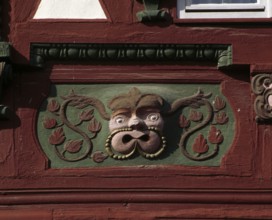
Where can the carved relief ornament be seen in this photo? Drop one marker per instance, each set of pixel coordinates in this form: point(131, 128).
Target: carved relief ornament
point(136, 125)
point(262, 87)
point(152, 12)
point(219, 54)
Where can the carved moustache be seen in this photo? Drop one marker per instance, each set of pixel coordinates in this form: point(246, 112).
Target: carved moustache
point(123, 143)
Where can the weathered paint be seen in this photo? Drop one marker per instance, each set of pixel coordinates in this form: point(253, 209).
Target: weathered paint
point(105, 92)
point(239, 188)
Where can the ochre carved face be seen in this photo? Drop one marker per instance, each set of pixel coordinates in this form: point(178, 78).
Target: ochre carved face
point(136, 126)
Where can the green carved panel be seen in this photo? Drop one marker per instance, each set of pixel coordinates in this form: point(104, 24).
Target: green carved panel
point(135, 124)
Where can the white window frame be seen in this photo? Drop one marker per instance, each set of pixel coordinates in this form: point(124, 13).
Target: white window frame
point(186, 10)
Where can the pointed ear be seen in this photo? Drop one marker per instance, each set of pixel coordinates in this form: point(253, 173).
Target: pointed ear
point(80, 101)
point(195, 101)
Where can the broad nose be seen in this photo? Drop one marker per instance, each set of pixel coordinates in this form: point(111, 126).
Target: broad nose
point(136, 123)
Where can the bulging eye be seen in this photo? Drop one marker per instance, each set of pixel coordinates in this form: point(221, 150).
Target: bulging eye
point(153, 117)
point(120, 120)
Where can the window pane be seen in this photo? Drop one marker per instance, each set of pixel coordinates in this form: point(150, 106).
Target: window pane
point(223, 1)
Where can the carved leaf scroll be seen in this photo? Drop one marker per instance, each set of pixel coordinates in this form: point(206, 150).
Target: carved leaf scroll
point(204, 114)
point(214, 116)
point(262, 87)
point(74, 150)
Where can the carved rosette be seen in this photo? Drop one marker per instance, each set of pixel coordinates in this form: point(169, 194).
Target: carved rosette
point(262, 87)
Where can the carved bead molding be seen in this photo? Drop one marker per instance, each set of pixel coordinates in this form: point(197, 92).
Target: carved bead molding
point(262, 87)
point(41, 52)
point(152, 12)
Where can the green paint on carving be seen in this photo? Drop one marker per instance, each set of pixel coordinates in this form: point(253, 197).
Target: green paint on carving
point(105, 92)
point(216, 53)
point(152, 12)
point(225, 58)
point(4, 49)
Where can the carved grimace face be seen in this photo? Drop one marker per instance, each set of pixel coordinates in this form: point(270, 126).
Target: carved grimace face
point(136, 125)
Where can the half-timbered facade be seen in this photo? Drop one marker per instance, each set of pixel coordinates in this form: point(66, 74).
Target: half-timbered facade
point(135, 109)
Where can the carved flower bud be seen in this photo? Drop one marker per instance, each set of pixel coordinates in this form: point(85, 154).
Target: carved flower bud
point(183, 122)
point(219, 103)
point(57, 137)
point(221, 118)
point(195, 116)
point(200, 145)
point(73, 146)
point(49, 123)
point(215, 136)
point(86, 115)
point(53, 106)
point(99, 156)
point(94, 126)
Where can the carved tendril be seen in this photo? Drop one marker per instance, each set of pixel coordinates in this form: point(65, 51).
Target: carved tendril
point(186, 134)
point(79, 102)
point(195, 101)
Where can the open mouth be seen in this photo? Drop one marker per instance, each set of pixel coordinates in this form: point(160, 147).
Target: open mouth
point(125, 142)
point(127, 138)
